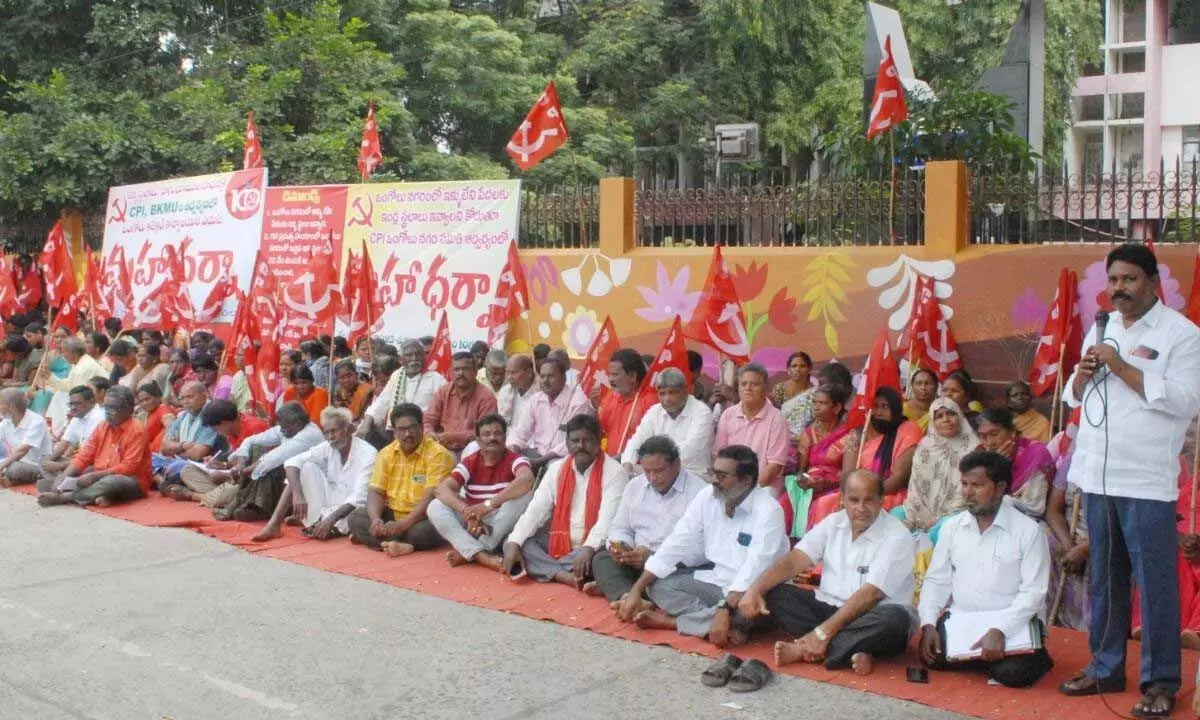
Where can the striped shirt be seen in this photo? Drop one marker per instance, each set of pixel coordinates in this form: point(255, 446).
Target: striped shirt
point(482, 482)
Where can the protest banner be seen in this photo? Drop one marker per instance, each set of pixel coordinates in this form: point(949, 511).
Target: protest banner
point(437, 246)
point(215, 221)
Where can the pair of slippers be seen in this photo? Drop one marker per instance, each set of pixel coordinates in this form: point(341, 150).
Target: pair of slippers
point(741, 676)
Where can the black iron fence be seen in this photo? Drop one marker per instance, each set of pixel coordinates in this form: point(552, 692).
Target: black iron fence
point(1042, 207)
point(560, 216)
point(852, 211)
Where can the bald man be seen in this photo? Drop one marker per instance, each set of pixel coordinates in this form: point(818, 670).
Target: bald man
point(188, 438)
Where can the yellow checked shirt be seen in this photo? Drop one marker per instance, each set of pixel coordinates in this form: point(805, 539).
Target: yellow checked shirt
point(405, 478)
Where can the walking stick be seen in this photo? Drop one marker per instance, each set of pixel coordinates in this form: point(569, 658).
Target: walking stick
point(1062, 574)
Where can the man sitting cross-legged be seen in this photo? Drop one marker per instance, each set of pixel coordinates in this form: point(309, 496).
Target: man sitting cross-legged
point(113, 465)
point(578, 496)
point(406, 474)
point(24, 437)
point(85, 416)
point(326, 483)
point(863, 607)
point(495, 485)
point(188, 438)
point(734, 525)
point(651, 505)
point(991, 558)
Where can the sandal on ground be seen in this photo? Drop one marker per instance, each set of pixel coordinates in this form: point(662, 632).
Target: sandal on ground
point(719, 673)
point(1145, 707)
point(1083, 684)
point(751, 676)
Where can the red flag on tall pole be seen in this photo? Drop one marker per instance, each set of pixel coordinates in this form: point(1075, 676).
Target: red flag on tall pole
point(888, 105)
point(94, 301)
point(595, 367)
point(1061, 337)
point(222, 290)
point(370, 152)
point(541, 132)
point(719, 320)
point(242, 333)
point(931, 343)
point(252, 154)
point(117, 285)
point(440, 355)
point(9, 304)
point(512, 297)
point(360, 296)
point(176, 301)
point(882, 370)
point(57, 268)
point(910, 345)
point(672, 354)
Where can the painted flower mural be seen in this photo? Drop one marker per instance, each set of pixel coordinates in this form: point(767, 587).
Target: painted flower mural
point(579, 331)
point(606, 273)
point(541, 275)
point(669, 298)
point(901, 279)
point(749, 283)
point(823, 280)
point(1029, 311)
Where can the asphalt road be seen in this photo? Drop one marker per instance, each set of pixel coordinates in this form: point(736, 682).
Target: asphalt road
point(106, 620)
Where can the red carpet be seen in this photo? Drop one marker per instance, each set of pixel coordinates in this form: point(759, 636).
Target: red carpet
point(965, 693)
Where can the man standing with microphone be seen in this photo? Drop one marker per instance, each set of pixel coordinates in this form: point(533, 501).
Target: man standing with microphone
point(1139, 385)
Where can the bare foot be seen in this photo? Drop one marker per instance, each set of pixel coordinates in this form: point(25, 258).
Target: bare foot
point(654, 620)
point(489, 561)
point(1137, 634)
point(591, 588)
point(862, 663)
point(102, 502)
point(737, 637)
point(294, 520)
point(787, 653)
point(267, 533)
point(456, 559)
point(396, 549)
point(643, 605)
point(1189, 640)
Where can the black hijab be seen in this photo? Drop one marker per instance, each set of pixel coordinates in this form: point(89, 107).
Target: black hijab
point(888, 429)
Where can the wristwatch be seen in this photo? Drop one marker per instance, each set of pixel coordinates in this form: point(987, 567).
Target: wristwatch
point(821, 634)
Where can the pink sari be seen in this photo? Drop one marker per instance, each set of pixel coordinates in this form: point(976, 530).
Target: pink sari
point(824, 464)
point(908, 435)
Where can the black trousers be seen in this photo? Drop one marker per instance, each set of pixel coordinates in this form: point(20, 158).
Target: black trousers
point(422, 536)
point(1014, 671)
point(882, 632)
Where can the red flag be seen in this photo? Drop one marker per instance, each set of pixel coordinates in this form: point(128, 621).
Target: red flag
point(595, 368)
point(440, 353)
point(672, 354)
point(1061, 337)
point(360, 296)
point(541, 133)
point(370, 154)
point(263, 296)
point(176, 301)
point(512, 297)
point(882, 370)
point(1193, 304)
point(241, 335)
point(263, 377)
point(9, 304)
point(57, 268)
point(224, 289)
point(932, 344)
point(314, 297)
point(116, 284)
point(68, 315)
point(719, 320)
point(888, 106)
point(252, 154)
point(94, 300)
point(905, 348)
point(28, 280)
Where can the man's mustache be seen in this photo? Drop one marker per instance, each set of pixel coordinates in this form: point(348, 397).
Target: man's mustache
point(1120, 296)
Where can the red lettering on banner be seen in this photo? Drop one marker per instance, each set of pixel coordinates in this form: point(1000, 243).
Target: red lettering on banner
point(436, 293)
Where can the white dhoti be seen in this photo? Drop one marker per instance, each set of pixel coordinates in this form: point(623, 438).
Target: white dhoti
point(321, 495)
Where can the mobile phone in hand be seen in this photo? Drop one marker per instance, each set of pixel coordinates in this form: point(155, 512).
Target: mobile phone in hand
point(917, 675)
point(621, 545)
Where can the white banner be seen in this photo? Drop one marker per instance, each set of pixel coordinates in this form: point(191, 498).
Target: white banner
point(215, 219)
point(436, 246)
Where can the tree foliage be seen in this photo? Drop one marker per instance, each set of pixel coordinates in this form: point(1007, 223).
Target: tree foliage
point(95, 93)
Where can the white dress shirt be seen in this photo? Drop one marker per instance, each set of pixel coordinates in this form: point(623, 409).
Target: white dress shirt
point(1007, 567)
point(345, 482)
point(82, 371)
point(31, 431)
point(509, 401)
point(541, 507)
point(646, 517)
point(741, 548)
point(881, 556)
point(537, 425)
point(418, 390)
point(282, 448)
point(79, 429)
point(692, 430)
point(1143, 438)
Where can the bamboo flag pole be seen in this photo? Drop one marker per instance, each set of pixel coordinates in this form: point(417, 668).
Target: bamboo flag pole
point(892, 186)
point(1195, 478)
point(1062, 574)
point(1056, 408)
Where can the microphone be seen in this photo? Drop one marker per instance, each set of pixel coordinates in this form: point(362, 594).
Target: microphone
point(1101, 324)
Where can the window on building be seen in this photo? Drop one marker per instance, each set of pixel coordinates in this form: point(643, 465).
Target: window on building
point(1089, 107)
point(1183, 23)
point(1093, 156)
point(1127, 106)
point(1132, 21)
point(1191, 146)
point(1131, 62)
point(1129, 149)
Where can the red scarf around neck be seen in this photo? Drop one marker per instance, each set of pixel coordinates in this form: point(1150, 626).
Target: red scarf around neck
point(560, 522)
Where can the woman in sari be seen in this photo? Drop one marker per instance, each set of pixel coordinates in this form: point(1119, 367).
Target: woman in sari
point(39, 400)
point(794, 396)
point(180, 365)
point(1032, 466)
point(934, 489)
point(922, 391)
point(304, 391)
point(822, 457)
point(289, 360)
point(959, 387)
point(887, 450)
